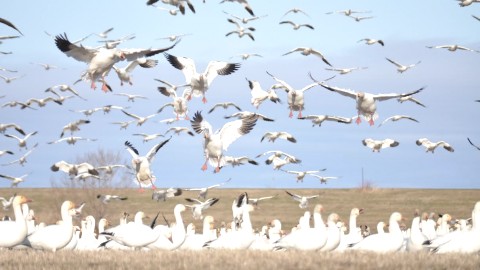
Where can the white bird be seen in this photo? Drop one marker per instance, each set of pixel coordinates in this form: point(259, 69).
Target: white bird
point(343, 71)
point(173, 38)
point(402, 68)
point(113, 43)
point(164, 194)
point(41, 102)
point(64, 88)
point(224, 105)
point(148, 137)
point(200, 82)
point(104, 34)
point(307, 51)
point(276, 159)
point(17, 103)
point(302, 199)
point(431, 146)
point(22, 142)
point(360, 18)
point(478, 147)
point(465, 3)
point(101, 60)
point(7, 203)
point(370, 41)
point(295, 10)
point(244, 3)
point(348, 12)
point(140, 119)
point(74, 169)
point(178, 130)
point(109, 168)
point(179, 103)
point(237, 161)
point(241, 31)
point(301, 174)
point(319, 119)
point(255, 201)
point(14, 180)
point(46, 66)
point(85, 176)
point(376, 145)
point(73, 126)
point(203, 191)
point(273, 135)
point(174, 237)
point(124, 73)
point(13, 233)
point(106, 198)
point(297, 26)
point(366, 102)
point(354, 234)
point(198, 206)
point(398, 117)
point(215, 143)
point(72, 140)
point(453, 48)
point(141, 164)
point(245, 20)
point(247, 114)
point(131, 97)
point(123, 125)
point(4, 127)
point(23, 159)
point(172, 12)
point(324, 179)
point(410, 98)
point(10, 79)
point(259, 95)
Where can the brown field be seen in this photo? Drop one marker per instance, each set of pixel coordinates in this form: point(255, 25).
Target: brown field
point(378, 205)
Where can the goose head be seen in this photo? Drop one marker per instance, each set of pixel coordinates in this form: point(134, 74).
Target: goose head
point(19, 200)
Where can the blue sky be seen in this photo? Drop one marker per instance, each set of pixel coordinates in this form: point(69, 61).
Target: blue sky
point(406, 27)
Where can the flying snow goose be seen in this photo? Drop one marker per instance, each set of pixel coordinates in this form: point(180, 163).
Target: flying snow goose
point(109, 168)
point(319, 119)
point(172, 88)
point(141, 164)
point(173, 38)
point(273, 135)
point(172, 12)
point(244, 3)
point(104, 34)
point(164, 194)
point(124, 73)
point(386, 242)
point(140, 119)
point(123, 125)
point(255, 201)
point(113, 43)
point(101, 60)
point(296, 100)
point(198, 206)
point(4, 127)
point(74, 169)
point(478, 147)
point(14, 103)
point(245, 20)
point(148, 137)
point(42, 102)
point(106, 198)
point(7, 203)
point(259, 95)
point(179, 103)
point(398, 117)
point(22, 142)
point(73, 126)
point(276, 158)
point(410, 98)
point(57, 236)
point(200, 82)
point(295, 10)
point(464, 3)
point(402, 68)
point(366, 102)
point(224, 105)
point(361, 18)
point(241, 31)
point(23, 159)
point(301, 174)
point(63, 88)
point(247, 114)
point(370, 41)
point(302, 199)
point(203, 191)
point(13, 233)
point(245, 56)
point(324, 179)
point(46, 66)
point(452, 48)
point(376, 145)
point(237, 161)
point(297, 26)
point(343, 71)
point(215, 143)
point(348, 12)
point(309, 51)
point(72, 140)
point(85, 176)
point(10, 79)
point(431, 146)
point(178, 130)
point(131, 97)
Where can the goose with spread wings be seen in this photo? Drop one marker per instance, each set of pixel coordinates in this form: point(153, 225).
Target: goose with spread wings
point(302, 199)
point(101, 60)
point(398, 117)
point(300, 175)
point(400, 67)
point(309, 51)
point(431, 146)
point(259, 95)
point(198, 206)
point(74, 169)
point(215, 143)
point(318, 119)
point(200, 82)
point(140, 119)
point(179, 102)
point(203, 191)
point(376, 145)
point(141, 164)
point(124, 73)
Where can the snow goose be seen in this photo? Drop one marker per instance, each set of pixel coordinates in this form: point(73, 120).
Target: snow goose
point(302, 199)
point(57, 236)
point(141, 164)
point(14, 180)
point(410, 98)
point(106, 198)
point(241, 31)
point(63, 88)
point(101, 60)
point(245, 56)
point(343, 71)
point(22, 142)
point(113, 43)
point(295, 10)
point(131, 97)
point(386, 242)
point(173, 38)
point(324, 179)
point(179, 103)
point(148, 137)
point(73, 126)
point(245, 20)
point(195, 241)
point(199, 206)
point(74, 169)
point(402, 68)
point(23, 159)
point(464, 3)
point(237, 161)
point(354, 233)
point(108, 169)
point(163, 194)
point(301, 174)
point(172, 12)
point(478, 147)
point(123, 125)
point(259, 95)
point(42, 102)
point(452, 48)
point(225, 105)
point(14, 103)
point(431, 146)
point(200, 82)
point(7, 203)
point(319, 119)
point(273, 135)
point(177, 232)
point(13, 233)
point(370, 41)
point(296, 100)
point(333, 233)
point(104, 34)
point(255, 201)
point(203, 191)
point(297, 26)
point(398, 117)
point(366, 102)
point(416, 237)
point(178, 130)
point(276, 159)
point(376, 145)
point(361, 18)
point(4, 127)
point(124, 73)
point(45, 66)
point(140, 119)
point(244, 3)
point(307, 51)
point(216, 143)
point(72, 140)
point(348, 12)
point(10, 79)
point(247, 114)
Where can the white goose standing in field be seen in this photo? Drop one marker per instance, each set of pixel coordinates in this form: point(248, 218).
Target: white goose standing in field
point(308, 51)
point(22, 142)
point(200, 82)
point(319, 119)
point(431, 146)
point(216, 143)
point(402, 68)
point(376, 145)
point(333, 233)
point(453, 48)
point(196, 241)
point(141, 164)
point(259, 95)
point(124, 73)
point(177, 233)
point(57, 236)
point(396, 118)
point(354, 233)
point(13, 233)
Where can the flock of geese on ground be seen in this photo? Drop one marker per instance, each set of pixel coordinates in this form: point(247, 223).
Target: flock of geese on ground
point(326, 234)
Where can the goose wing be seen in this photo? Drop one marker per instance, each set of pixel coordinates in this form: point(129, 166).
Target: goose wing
point(155, 149)
point(233, 130)
point(79, 53)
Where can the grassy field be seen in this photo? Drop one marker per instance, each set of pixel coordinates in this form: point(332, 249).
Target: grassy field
point(378, 205)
